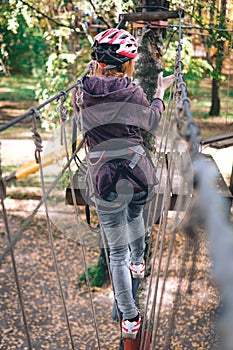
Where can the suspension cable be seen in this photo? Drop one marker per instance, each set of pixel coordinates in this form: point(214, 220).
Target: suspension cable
point(38, 144)
point(63, 118)
point(167, 117)
point(27, 222)
point(210, 210)
point(191, 136)
point(161, 232)
point(43, 104)
point(9, 235)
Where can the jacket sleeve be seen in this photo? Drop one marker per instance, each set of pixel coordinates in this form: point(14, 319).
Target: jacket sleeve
point(151, 113)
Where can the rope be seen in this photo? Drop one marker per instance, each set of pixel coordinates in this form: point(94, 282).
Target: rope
point(43, 104)
point(210, 210)
point(62, 112)
point(63, 118)
point(79, 102)
point(26, 223)
point(8, 231)
point(38, 144)
point(191, 132)
point(36, 136)
point(165, 274)
point(168, 116)
point(191, 136)
point(161, 233)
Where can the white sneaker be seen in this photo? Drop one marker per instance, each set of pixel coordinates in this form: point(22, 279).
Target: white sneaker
point(130, 329)
point(138, 271)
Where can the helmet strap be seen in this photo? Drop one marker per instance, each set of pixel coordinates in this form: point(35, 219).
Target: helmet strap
point(119, 68)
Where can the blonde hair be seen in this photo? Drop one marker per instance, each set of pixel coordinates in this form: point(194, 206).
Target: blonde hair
point(127, 69)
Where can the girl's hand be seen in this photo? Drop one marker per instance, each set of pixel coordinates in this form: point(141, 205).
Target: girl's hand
point(163, 84)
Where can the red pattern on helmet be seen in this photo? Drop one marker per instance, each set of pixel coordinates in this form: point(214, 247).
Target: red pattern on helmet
point(127, 45)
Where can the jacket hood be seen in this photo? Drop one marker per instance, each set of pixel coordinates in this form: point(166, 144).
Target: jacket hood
point(104, 90)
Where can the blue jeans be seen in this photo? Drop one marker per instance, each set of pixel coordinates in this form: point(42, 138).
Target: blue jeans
point(125, 234)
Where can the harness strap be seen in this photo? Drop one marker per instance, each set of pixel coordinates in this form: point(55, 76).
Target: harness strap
point(138, 150)
point(88, 219)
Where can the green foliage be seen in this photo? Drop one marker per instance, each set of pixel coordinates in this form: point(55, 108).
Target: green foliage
point(193, 68)
point(17, 88)
point(23, 47)
point(92, 271)
point(96, 274)
point(54, 54)
point(57, 76)
point(57, 56)
point(111, 9)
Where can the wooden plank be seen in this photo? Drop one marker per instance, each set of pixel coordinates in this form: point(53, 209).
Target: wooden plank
point(222, 144)
point(216, 139)
point(153, 24)
point(149, 16)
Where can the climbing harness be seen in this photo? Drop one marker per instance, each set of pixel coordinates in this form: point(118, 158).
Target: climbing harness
point(133, 153)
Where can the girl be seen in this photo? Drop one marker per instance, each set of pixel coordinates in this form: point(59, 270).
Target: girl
point(121, 176)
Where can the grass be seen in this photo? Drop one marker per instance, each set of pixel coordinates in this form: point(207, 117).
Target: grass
point(17, 88)
point(17, 94)
point(200, 97)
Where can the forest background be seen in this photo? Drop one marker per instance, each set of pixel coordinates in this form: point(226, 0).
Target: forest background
point(46, 45)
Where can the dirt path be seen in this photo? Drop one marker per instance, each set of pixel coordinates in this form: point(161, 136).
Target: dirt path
point(43, 304)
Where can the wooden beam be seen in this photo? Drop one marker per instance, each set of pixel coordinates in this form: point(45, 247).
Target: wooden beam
point(148, 16)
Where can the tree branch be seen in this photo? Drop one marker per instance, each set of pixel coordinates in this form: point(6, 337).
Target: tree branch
point(99, 15)
point(48, 17)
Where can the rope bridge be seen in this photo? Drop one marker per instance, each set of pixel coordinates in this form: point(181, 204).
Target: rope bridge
point(175, 277)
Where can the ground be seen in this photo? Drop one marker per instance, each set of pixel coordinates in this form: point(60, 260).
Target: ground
point(191, 299)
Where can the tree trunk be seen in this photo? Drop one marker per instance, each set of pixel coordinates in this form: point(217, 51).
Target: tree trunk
point(214, 42)
point(217, 60)
point(215, 99)
point(149, 63)
point(148, 66)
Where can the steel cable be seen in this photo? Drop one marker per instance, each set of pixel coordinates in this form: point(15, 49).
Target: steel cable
point(9, 235)
point(63, 114)
point(167, 118)
point(38, 145)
